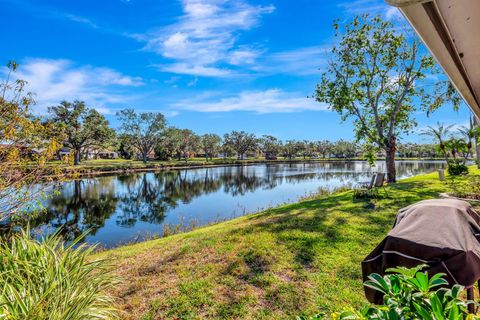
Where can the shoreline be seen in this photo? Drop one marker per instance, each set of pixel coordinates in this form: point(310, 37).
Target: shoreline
point(308, 251)
point(185, 228)
point(91, 170)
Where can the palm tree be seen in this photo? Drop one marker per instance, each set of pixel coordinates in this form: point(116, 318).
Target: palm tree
point(476, 127)
point(472, 133)
point(458, 147)
point(440, 133)
point(469, 133)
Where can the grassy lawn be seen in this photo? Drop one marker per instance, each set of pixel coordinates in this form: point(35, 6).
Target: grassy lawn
point(296, 259)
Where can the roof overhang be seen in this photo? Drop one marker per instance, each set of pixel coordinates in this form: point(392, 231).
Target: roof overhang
point(451, 31)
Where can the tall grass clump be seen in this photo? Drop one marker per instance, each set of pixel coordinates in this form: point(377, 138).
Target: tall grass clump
point(49, 279)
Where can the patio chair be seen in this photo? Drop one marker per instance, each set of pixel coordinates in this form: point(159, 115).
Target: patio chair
point(380, 183)
point(365, 188)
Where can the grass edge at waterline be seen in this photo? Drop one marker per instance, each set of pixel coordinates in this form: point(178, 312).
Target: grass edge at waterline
point(295, 259)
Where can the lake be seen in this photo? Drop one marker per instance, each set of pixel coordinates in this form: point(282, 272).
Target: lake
point(125, 208)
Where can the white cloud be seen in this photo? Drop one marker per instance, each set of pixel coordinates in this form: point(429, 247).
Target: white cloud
point(302, 61)
point(206, 36)
point(199, 9)
point(81, 20)
point(243, 56)
point(195, 70)
point(38, 10)
point(172, 80)
point(54, 80)
point(268, 101)
point(106, 76)
point(193, 82)
point(170, 113)
point(392, 13)
point(358, 7)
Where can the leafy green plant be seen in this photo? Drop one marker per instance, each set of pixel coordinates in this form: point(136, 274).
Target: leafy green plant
point(456, 167)
point(48, 279)
point(410, 294)
point(456, 149)
point(467, 186)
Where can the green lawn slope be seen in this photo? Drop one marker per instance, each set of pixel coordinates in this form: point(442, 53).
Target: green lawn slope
point(296, 259)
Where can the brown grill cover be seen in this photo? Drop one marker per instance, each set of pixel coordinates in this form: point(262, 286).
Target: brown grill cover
point(442, 233)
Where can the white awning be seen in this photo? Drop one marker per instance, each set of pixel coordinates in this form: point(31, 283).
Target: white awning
point(451, 31)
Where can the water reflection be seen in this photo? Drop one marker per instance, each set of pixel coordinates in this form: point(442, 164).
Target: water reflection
point(118, 209)
point(81, 205)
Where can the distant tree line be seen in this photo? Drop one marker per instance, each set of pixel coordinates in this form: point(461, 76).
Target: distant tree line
point(147, 136)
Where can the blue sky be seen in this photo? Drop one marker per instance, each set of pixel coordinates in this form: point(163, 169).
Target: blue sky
point(208, 65)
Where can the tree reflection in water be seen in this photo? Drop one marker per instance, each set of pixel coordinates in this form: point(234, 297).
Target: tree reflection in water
point(81, 205)
point(115, 204)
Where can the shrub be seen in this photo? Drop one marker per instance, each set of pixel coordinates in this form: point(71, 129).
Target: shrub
point(410, 294)
point(464, 187)
point(51, 280)
point(456, 168)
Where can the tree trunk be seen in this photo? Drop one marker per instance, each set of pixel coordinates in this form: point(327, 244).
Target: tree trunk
point(144, 157)
point(477, 144)
point(76, 157)
point(390, 162)
point(477, 152)
point(77, 192)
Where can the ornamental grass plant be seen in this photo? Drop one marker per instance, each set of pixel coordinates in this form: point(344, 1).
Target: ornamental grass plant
point(49, 279)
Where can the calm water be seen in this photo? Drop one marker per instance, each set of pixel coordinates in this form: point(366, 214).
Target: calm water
point(125, 208)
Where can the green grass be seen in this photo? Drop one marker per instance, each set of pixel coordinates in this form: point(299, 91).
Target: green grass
point(296, 259)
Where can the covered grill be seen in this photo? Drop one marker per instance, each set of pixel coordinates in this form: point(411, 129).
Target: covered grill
point(442, 233)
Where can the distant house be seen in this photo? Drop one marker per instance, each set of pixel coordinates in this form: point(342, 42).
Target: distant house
point(150, 156)
point(252, 154)
point(63, 152)
point(270, 156)
point(89, 154)
point(107, 154)
point(101, 154)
